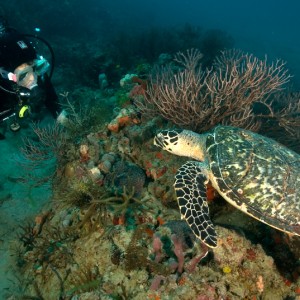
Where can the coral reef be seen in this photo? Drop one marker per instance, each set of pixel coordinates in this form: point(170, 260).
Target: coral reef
point(126, 116)
point(125, 174)
point(113, 229)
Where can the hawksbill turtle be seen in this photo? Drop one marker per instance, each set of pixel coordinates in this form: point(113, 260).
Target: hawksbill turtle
point(254, 173)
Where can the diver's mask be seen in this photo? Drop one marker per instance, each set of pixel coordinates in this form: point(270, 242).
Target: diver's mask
point(41, 66)
point(25, 76)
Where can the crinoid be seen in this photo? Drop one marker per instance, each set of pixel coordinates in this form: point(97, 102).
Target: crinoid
point(27, 236)
point(121, 202)
point(118, 203)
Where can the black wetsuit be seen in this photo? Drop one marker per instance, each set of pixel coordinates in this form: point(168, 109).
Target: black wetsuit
point(15, 50)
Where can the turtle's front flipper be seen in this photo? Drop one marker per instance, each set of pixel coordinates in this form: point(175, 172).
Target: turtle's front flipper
point(191, 196)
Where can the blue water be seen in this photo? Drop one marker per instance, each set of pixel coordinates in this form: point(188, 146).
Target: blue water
point(260, 27)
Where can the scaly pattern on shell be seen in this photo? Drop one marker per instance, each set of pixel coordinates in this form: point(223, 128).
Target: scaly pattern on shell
point(257, 175)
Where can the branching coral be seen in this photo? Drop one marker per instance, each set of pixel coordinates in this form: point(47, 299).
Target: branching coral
point(84, 112)
point(289, 115)
point(225, 94)
point(47, 148)
point(286, 114)
point(76, 117)
point(49, 141)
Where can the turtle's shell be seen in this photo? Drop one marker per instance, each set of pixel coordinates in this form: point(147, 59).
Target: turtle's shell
point(257, 175)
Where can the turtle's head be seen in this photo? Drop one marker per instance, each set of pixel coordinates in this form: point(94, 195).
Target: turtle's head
point(182, 143)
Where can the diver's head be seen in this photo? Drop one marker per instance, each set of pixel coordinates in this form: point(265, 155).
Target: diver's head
point(25, 76)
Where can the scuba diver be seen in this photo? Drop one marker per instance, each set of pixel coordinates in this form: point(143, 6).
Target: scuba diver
point(25, 86)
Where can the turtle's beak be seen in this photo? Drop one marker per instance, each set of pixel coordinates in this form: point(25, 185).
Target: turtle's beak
point(159, 140)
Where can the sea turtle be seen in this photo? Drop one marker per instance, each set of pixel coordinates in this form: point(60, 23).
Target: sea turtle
point(253, 173)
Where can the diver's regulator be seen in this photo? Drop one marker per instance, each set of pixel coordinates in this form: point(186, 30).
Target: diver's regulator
point(23, 107)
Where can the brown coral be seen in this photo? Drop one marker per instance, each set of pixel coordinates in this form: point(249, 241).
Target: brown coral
point(226, 94)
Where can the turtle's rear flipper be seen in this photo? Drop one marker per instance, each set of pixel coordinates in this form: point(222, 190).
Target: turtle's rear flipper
point(191, 196)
